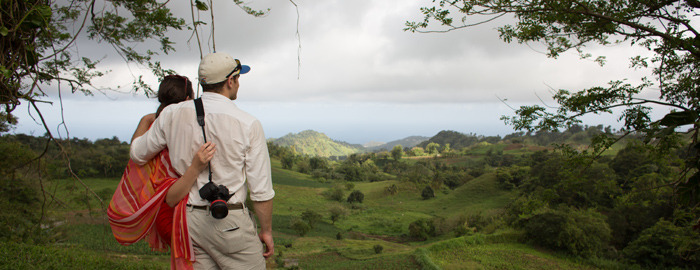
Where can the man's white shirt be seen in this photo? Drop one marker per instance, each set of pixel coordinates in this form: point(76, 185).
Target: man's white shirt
point(241, 149)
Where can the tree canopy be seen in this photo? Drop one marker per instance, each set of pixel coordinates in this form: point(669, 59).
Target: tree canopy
point(40, 41)
point(665, 28)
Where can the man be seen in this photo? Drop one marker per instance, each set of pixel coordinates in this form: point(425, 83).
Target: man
point(241, 163)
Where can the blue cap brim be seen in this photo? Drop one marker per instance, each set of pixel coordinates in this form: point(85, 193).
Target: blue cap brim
point(244, 69)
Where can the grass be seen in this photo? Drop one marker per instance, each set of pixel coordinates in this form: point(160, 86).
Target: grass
point(333, 260)
point(25, 256)
point(473, 252)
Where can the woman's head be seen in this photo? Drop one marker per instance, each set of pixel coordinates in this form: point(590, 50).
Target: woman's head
point(173, 89)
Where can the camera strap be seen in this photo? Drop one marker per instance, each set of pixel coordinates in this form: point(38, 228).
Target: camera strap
point(199, 107)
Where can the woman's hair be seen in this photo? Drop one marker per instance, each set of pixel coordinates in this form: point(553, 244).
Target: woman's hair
point(173, 89)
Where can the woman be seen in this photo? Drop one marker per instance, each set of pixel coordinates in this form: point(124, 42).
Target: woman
point(150, 200)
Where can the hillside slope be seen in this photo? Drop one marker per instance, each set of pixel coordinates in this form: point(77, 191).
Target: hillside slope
point(314, 143)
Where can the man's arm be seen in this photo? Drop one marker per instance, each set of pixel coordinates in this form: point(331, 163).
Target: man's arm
point(263, 210)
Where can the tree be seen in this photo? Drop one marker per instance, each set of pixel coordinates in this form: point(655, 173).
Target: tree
point(397, 152)
point(336, 213)
point(663, 28)
point(300, 226)
point(427, 193)
point(311, 217)
point(356, 196)
point(432, 148)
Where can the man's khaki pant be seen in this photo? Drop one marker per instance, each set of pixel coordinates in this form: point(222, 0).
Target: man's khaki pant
point(229, 243)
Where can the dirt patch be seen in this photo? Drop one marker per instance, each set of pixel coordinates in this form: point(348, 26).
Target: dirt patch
point(513, 146)
point(393, 239)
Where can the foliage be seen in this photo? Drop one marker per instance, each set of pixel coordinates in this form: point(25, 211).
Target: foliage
point(378, 249)
point(664, 29)
point(336, 213)
point(397, 152)
point(314, 143)
point(580, 232)
point(300, 226)
point(356, 197)
point(427, 193)
point(335, 194)
point(311, 217)
point(665, 245)
point(421, 229)
point(432, 148)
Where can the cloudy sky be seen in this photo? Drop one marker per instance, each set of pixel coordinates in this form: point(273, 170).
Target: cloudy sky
point(361, 78)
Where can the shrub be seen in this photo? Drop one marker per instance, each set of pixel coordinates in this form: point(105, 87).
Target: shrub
point(339, 236)
point(580, 232)
point(378, 249)
point(665, 245)
point(421, 229)
point(356, 196)
point(336, 213)
point(311, 217)
point(334, 194)
point(391, 190)
point(427, 193)
point(300, 226)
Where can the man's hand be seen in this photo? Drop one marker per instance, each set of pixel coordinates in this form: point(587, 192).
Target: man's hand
point(266, 238)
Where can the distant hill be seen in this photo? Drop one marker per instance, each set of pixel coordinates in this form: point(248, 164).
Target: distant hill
point(372, 144)
point(458, 140)
point(313, 143)
point(405, 142)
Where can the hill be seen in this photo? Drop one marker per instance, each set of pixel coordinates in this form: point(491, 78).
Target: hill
point(313, 143)
point(405, 142)
point(457, 140)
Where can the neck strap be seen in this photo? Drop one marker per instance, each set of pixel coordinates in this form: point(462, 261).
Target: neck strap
point(199, 107)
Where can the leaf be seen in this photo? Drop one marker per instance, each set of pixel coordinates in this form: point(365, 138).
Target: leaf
point(201, 5)
point(679, 118)
point(4, 31)
point(689, 190)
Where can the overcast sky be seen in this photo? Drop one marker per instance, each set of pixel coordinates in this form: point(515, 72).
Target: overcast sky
point(361, 78)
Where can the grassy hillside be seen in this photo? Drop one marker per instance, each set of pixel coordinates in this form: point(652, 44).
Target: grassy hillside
point(382, 221)
point(314, 143)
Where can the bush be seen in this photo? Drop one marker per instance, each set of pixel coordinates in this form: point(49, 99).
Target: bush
point(421, 229)
point(427, 193)
point(665, 245)
point(300, 226)
point(334, 194)
point(580, 232)
point(311, 217)
point(336, 213)
point(356, 196)
point(378, 249)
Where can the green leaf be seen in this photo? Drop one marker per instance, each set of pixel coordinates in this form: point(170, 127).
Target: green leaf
point(4, 31)
point(679, 118)
point(201, 5)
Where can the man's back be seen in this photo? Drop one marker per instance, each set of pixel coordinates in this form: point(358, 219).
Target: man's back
point(241, 146)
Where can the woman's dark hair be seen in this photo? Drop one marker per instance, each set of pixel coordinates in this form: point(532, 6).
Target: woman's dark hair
point(173, 89)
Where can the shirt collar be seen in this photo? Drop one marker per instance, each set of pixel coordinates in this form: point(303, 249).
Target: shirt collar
point(214, 96)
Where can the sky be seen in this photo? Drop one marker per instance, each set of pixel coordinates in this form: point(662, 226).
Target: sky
point(351, 73)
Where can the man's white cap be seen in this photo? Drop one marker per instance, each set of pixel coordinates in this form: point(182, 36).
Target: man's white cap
point(216, 67)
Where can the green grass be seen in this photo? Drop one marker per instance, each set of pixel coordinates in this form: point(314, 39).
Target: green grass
point(474, 253)
point(99, 237)
point(333, 260)
point(24, 256)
